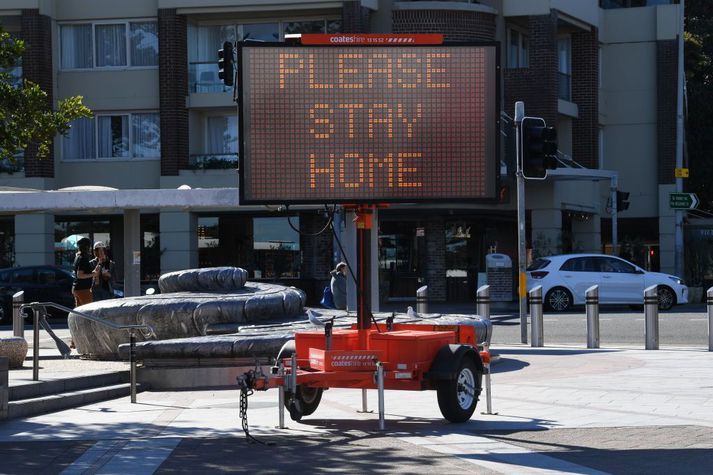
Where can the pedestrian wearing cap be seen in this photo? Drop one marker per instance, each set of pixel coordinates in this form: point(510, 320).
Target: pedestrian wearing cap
point(101, 286)
point(84, 274)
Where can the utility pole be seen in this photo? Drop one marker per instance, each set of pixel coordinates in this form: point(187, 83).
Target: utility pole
point(521, 250)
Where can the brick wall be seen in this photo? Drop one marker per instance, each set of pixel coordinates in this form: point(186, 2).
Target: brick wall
point(455, 25)
point(585, 93)
point(436, 258)
point(37, 67)
point(537, 84)
point(173, 78)
point(666, 83)
point(355, 18)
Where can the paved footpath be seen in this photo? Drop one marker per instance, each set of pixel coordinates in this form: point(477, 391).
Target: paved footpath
point(559, 410)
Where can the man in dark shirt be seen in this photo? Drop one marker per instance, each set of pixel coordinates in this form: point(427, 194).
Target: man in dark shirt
point(84, 274)
point(101, 289)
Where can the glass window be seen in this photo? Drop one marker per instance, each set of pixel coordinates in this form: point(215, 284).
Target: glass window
point(110, 45)
point(276, 247)
point(79, 141)
point(46, 276)
point(311, 26)
point(5, 277)
point(539, 263)
point(76, 46)
point(113, 136)
point(580, 264)
point(222, 134)
point(261, 32)
point(23, 276)
point(146, 135)
point(144, 44)
point(517, 49)
point(7, 241)
point(564, 58)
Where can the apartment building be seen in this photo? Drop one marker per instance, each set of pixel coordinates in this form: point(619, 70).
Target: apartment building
point(602, 71)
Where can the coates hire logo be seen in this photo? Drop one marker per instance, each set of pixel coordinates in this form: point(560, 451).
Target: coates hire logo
point(371, 39)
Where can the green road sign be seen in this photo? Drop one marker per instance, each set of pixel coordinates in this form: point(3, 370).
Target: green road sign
point(682, 200)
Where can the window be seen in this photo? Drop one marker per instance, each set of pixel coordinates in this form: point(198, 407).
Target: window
point(277, 248)
point(580, 264)
point(132, 135)
point(564, 57)
point(608, 264)
point(222, 135)
point(5, 277)
point(23, 276)
point(517, 49)
point(205, 40)
point(46, 276)
point(109, 45)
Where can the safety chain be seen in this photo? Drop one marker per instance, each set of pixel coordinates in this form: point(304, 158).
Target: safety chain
point(245, 383)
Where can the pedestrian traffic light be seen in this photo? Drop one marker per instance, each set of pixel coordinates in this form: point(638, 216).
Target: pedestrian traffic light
point(622, 200)
point(539, 148)
point(225, 63)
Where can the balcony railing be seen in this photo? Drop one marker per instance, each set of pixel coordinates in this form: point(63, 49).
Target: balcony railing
point(213, 161)
point(203, 77)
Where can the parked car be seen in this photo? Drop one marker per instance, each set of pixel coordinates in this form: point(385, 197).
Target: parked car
point(40, 283)
point(565, 278)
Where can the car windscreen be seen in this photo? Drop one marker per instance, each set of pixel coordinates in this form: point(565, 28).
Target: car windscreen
point(538, 263)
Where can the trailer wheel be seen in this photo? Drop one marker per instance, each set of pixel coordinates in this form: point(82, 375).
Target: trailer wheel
point(305, 401)
point(458, 397)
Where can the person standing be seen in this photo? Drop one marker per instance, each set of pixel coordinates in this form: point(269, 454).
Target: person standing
point(339, 286)
point(101, 287)
point(84, 274)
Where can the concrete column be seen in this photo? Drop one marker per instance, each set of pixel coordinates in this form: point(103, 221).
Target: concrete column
point(179, 240)
point(132, 252)
point(34, 239)
point(667, 227)
point(546, 231)
point(587, 234)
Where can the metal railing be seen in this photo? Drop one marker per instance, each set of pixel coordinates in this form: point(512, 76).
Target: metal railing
point(39, 315)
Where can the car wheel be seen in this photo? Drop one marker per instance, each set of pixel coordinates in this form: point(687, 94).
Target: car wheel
point(667, 298)
point(558, 300)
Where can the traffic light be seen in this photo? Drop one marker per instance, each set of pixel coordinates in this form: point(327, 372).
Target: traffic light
point(539, 148)
point(225, 63)
point(622, 200)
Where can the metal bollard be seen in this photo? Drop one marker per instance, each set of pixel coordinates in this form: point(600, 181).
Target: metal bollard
point(422, 300)
point(535, 299)
point(482, 301)
point(380, 388)
point(18, 322)
point(651, 317)
point(591, 300)
point(132, 365)
point(709, 301)
point(35, 344)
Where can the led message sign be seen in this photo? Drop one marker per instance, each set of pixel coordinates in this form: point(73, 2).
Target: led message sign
point(349, 124)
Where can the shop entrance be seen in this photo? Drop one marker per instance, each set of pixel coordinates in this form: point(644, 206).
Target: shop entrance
point(463, 255)
point(401, 259)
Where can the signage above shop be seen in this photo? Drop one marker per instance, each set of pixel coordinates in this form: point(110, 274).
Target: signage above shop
point(367, 124)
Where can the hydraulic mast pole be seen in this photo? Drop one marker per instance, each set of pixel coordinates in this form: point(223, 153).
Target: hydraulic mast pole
point(364, 221)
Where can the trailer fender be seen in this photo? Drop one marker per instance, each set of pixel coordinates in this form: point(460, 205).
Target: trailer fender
point(287, 350)
point(447, 361)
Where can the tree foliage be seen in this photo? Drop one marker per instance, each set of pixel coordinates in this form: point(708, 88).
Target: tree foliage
point(26, 114)
point(699, 85)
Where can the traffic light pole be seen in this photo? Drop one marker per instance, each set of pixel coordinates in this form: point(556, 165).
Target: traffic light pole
point(521, 249)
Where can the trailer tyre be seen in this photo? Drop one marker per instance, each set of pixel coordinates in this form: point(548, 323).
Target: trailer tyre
point(305, 401)
point(458, 397)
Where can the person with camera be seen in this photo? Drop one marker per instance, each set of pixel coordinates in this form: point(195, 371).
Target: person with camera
point(101, 286)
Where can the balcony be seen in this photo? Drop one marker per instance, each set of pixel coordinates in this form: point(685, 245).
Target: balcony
point(203, 77)
point(213, 161)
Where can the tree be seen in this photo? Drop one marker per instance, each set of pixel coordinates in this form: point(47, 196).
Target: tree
point(699, 84)
point(26, 115)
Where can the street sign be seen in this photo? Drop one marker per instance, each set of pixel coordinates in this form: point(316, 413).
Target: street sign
point(683, 200)
point(368, 124)
point(681, 172)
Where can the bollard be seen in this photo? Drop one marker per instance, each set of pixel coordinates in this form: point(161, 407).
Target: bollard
point(422, 300)
point(535, 299)
point(591, 300)
point(35, 344)
point(281, 396)
point(651, 317)
point(482, 301)
point(132, 365)
point(709, 301)
point(18, 322)
point(380, 389)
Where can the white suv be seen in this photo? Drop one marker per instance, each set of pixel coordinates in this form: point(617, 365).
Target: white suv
point(565, 278)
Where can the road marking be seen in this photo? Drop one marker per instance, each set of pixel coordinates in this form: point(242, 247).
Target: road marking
point(497, 456)
point(142, 456)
